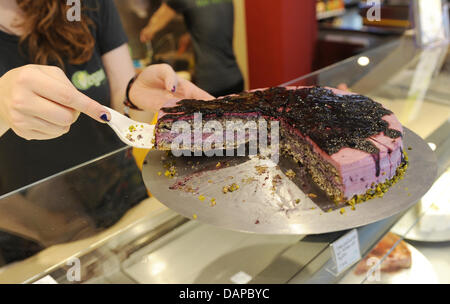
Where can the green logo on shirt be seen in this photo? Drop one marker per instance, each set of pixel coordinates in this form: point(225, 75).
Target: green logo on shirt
point(82, 80)
point(201, 3)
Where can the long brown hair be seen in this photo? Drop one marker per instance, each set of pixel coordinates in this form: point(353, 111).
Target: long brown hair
point(50, 38)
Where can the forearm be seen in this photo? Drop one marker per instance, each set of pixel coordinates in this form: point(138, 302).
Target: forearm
point(117, 98)
point(4, 127)
point(119, 69)
point(118, 91)
point(161, 18)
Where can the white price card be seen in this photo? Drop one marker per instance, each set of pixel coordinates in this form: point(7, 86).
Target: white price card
point(346, 251)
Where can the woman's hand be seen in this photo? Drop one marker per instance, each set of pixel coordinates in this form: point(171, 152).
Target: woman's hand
point(159, 83)
point(147, 34)
point(40, 102)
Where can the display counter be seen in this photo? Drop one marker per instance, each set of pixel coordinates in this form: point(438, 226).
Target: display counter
point(123, 240)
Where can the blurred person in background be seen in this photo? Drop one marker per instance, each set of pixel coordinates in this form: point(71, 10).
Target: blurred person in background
point(210, 25)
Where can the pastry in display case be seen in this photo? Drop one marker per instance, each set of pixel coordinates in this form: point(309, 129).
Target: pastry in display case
point(435, 206)
point(392, 261)
point(432, 215)
point(396, 260)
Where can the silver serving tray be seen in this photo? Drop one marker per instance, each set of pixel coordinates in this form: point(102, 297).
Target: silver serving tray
point(268, 205)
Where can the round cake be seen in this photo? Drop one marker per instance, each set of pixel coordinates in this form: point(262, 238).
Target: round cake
point(351, 145)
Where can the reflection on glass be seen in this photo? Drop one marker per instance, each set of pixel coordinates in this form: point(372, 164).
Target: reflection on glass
point(363, 61)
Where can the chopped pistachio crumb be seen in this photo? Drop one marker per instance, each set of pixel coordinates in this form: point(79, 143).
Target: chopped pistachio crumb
point(231, 188)
point(290, 173)
point(171, 172)
point(261, 169)
point(380, 189)
point(405, 155)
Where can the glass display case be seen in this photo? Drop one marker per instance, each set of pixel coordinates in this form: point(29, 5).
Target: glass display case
point(129, 237)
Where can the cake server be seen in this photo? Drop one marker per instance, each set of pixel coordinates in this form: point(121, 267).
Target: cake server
point(133, 133)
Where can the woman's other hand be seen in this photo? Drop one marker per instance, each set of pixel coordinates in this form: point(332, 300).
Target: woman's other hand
point(40, 102)
point(147, 34)
point(159, 83)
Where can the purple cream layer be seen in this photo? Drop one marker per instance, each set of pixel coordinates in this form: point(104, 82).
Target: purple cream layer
point(358, 169)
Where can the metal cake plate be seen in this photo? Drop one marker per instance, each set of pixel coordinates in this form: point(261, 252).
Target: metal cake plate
point(267, 201)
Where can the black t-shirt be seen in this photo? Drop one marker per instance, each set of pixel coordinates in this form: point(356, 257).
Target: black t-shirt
point(211, 23)
point(23, 162)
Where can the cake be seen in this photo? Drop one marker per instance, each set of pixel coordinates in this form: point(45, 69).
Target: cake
point(398, 258)
point(350, 145)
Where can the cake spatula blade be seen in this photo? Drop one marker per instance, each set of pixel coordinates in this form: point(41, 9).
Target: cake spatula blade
point(132, 133)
